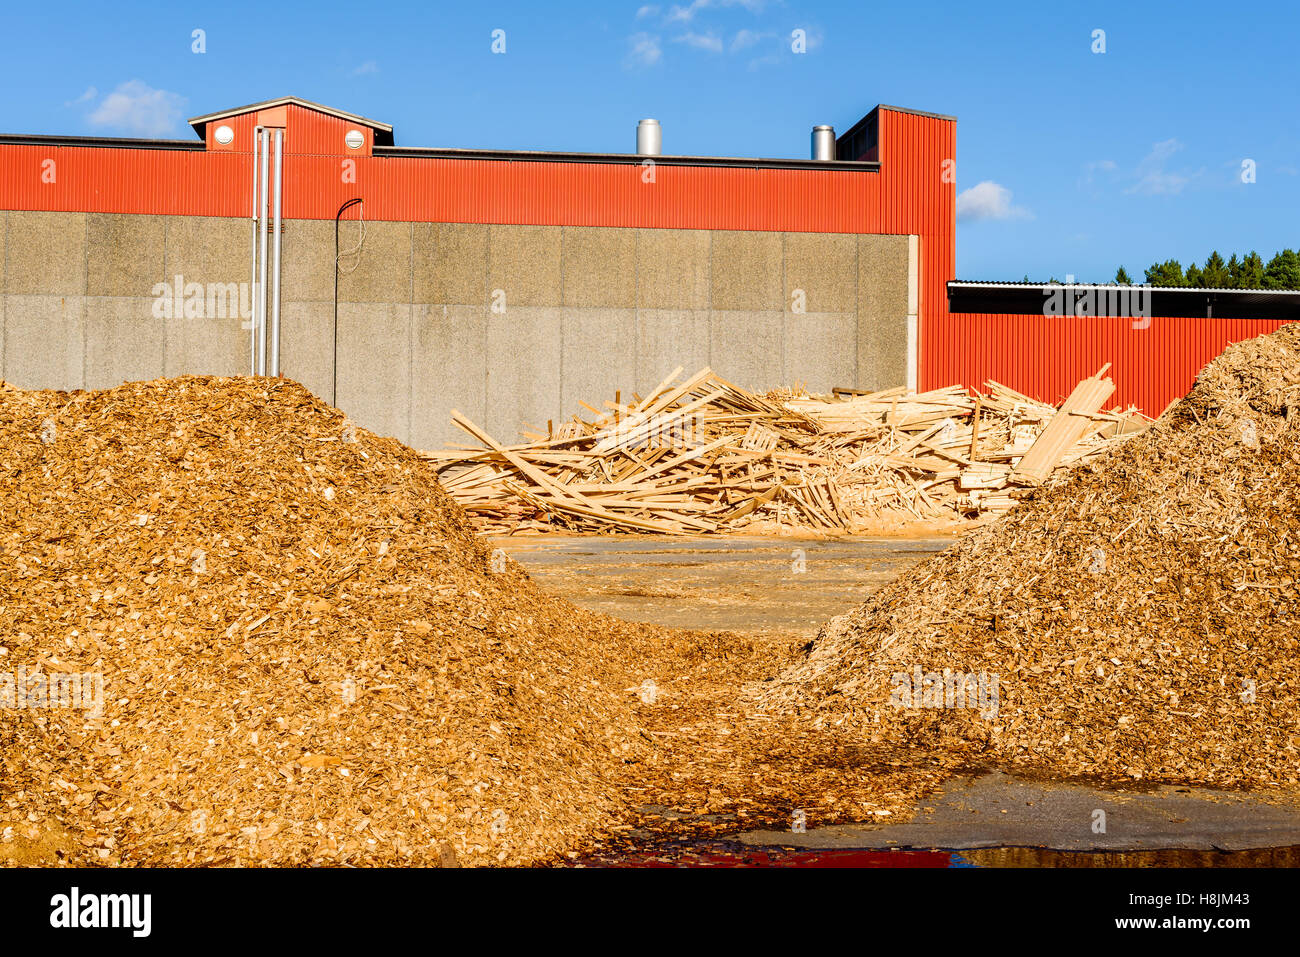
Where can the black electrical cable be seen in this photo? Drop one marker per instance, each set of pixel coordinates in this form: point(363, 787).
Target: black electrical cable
point(334, 397)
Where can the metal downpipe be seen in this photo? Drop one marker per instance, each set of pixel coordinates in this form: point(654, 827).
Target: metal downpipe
point(275, 275)
point(252, 268)
point(261, 301)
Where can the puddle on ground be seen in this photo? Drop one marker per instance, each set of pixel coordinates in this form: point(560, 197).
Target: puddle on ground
point(719, 853)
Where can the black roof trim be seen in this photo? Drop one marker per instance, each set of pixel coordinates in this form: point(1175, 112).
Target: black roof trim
point(625, 159)
point(1029, 299)
point(117, 142)
point(905, 109)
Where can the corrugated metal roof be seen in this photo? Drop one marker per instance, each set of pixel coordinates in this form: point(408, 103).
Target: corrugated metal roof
point(997, 284)
point(1026, 299)
point(544, 156)
point(115, 142)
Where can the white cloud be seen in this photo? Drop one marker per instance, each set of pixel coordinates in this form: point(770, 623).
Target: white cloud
point(86, 97)
point(370, 66)
point(645, 50)
point(680, 14)
point(744, 39)
point(701, 41)
point(686, 14)
point(137, 107)
point(1092, 168)
point(649, 10)
point(988, 200)
point(1153, 176)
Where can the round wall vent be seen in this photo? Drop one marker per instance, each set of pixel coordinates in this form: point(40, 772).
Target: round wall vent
point(355, 139)
point(224, 135)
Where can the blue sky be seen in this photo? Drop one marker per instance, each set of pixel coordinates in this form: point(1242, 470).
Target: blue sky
point(1070, 161)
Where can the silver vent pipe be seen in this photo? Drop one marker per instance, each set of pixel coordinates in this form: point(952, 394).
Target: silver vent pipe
point(649, 138)
point(823, 143)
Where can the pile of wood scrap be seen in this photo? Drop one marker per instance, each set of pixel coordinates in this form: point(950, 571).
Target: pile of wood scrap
point(704, 455)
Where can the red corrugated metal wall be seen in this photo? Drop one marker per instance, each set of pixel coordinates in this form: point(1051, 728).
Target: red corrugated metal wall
point(1045, 357)
point(917, 200)
point(907, 196)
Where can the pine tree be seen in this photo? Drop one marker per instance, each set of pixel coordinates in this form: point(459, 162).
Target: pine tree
point(1252, 272)
point(1167, 273)
point(1234, 272)
point(1215, 274)
point(1283, 271)
point(1122, 277)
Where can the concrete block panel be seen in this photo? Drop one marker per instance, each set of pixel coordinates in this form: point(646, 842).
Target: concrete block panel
point(524, 350)
point(448, 367)
point(672, 267)
point(124, 254)
point(374, 366)
point(45, 342)
point(381, 271)
point(824, 266)
point(307, 258)
point(207, 346)
point(820, 350)
point(745, 271)
point(882, 312)
point(746, 348)
point(45, 254)
point(307, 345)
point(599, 266)
point(524, 262)
point(599, 357)
point(668, 338)
point(125, 342)
point(208, 249)
point(451, 263)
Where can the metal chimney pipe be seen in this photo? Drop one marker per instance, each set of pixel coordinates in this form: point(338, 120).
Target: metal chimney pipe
point(649, 138)
point(823, 143)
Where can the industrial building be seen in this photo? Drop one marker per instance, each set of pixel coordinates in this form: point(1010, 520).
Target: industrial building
point(400, 282)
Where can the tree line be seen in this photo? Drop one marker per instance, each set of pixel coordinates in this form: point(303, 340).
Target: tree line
point(1239, 272)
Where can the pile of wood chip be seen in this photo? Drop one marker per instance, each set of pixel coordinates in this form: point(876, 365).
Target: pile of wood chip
point(1141, 615)
point(306, 655)
point(704, 455)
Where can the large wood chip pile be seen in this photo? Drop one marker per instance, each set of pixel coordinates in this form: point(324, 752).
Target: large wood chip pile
point(704, 455)
point(306, 655)
point(1141, 614)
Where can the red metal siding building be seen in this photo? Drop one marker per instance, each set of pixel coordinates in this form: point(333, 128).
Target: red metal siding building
point(894, 182)
point(1046, 357)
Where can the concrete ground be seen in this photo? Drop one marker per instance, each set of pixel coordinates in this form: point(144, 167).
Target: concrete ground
point(997, 810)
point(735, 583)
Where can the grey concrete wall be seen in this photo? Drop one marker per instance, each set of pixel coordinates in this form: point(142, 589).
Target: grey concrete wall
point(77, 298)
point(508, 324)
